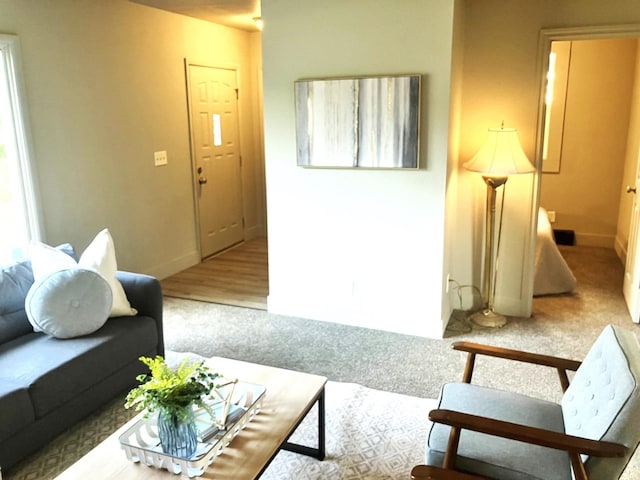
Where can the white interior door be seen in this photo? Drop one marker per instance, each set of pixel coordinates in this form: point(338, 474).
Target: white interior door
point(215, 147)
point(631, 284)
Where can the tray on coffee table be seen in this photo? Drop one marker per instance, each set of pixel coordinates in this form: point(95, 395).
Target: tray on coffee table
point(141, 442)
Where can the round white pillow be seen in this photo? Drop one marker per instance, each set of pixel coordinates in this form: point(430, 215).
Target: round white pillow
point(69, 303)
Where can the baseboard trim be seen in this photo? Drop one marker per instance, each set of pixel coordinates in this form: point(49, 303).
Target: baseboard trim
point(174, 266)
point(397, 317)
point(621, 250)
point(595, 240)
point(255, 231)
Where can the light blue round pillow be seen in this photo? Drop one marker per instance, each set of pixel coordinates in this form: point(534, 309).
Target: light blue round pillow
point(69, 303)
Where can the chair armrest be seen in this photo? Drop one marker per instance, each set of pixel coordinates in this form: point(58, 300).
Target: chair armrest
point(428, 472)
point(145, 295)
point(523, 433)
point(473, 349)
point(518, 355)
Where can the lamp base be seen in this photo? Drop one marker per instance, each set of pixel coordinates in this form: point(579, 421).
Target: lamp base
point(488, 318)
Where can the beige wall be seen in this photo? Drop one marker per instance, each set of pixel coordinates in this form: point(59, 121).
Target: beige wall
point(361, 247)
point(105, 88)
point(585, 194)
point(502, 81)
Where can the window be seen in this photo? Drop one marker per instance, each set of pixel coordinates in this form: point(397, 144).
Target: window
point(18, 205)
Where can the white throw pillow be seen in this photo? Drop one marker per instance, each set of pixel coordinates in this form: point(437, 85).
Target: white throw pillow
point(69, 303)
point(100, 256)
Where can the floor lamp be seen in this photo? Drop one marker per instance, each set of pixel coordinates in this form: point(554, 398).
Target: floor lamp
point(501, 156)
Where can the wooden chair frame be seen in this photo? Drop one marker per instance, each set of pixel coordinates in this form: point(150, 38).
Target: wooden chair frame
point(574, 446)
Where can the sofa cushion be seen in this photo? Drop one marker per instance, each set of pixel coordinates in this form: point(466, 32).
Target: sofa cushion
point(56, 370)
point(16, 412)
point(69, 303)
point(100, 256)
point(15, 281)
point(496, 457)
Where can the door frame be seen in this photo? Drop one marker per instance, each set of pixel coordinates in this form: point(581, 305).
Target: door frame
point(194, 174)
point(547, 36)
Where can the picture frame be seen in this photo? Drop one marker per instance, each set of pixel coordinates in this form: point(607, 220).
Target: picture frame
point(358, 122)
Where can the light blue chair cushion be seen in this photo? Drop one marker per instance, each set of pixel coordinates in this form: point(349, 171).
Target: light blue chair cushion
point(496, 457)
point(603, 400)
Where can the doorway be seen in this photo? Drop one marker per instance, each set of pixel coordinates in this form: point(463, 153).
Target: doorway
point(588, 195)
point(216, 158)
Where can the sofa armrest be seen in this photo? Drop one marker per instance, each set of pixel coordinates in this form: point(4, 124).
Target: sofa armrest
point(145, 295)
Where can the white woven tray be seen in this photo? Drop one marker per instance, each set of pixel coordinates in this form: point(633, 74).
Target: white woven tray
point(141, 443)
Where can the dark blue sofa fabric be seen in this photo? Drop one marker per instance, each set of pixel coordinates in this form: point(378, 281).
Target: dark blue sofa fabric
point(15, 281)
point(55, 370)
point(14, 397)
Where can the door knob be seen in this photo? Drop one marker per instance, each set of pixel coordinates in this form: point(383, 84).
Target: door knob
point(201, 180)
point(631, 189)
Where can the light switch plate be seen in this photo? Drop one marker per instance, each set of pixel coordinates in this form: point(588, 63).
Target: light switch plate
point(552, 216)
point(160, 158)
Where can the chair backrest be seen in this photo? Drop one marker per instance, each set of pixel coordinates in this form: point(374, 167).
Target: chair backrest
point(603, 400)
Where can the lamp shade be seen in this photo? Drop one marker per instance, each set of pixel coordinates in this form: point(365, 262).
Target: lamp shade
point(501, 155)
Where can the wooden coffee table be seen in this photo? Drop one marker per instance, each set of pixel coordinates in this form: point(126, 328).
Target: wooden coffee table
point(289, 397)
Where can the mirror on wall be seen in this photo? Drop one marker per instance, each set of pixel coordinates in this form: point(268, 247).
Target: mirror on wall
point(363, 122)
point(555, 103)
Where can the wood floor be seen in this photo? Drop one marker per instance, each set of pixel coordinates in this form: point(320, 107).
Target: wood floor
point(239, 276)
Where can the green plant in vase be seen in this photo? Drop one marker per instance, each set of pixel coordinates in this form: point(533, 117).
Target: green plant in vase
point(173, 394)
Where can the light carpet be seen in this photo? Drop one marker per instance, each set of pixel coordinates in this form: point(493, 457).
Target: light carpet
point(370, 434)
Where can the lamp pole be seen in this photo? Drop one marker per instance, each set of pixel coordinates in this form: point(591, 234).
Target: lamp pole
point(487, 317)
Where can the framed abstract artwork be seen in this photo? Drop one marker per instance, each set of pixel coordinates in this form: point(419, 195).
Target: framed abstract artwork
point(361, 122)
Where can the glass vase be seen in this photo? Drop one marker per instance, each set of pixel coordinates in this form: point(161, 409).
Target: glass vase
point(177, 433)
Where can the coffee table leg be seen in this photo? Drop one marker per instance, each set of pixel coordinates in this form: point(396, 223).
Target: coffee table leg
point(321, 427)
point(311, 451)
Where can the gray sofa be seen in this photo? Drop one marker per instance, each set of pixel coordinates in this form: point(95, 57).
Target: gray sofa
point(48, 384)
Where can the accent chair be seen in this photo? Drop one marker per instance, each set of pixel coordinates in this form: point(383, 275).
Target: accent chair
point(494, 434)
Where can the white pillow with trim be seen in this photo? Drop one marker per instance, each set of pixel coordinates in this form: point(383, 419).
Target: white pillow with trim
point(100, 256)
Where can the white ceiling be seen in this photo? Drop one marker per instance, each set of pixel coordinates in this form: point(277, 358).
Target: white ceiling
point(232, 13)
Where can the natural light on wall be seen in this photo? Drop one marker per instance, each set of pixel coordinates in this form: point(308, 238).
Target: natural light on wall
point(18, 212)
point(548, 100)
point(555, 103)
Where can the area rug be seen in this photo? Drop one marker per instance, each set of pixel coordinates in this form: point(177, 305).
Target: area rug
point(370, 434)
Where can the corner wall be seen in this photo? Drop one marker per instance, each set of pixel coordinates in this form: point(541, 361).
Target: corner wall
point(359, 247)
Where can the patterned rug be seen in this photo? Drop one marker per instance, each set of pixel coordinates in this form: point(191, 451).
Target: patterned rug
point(370, 434)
